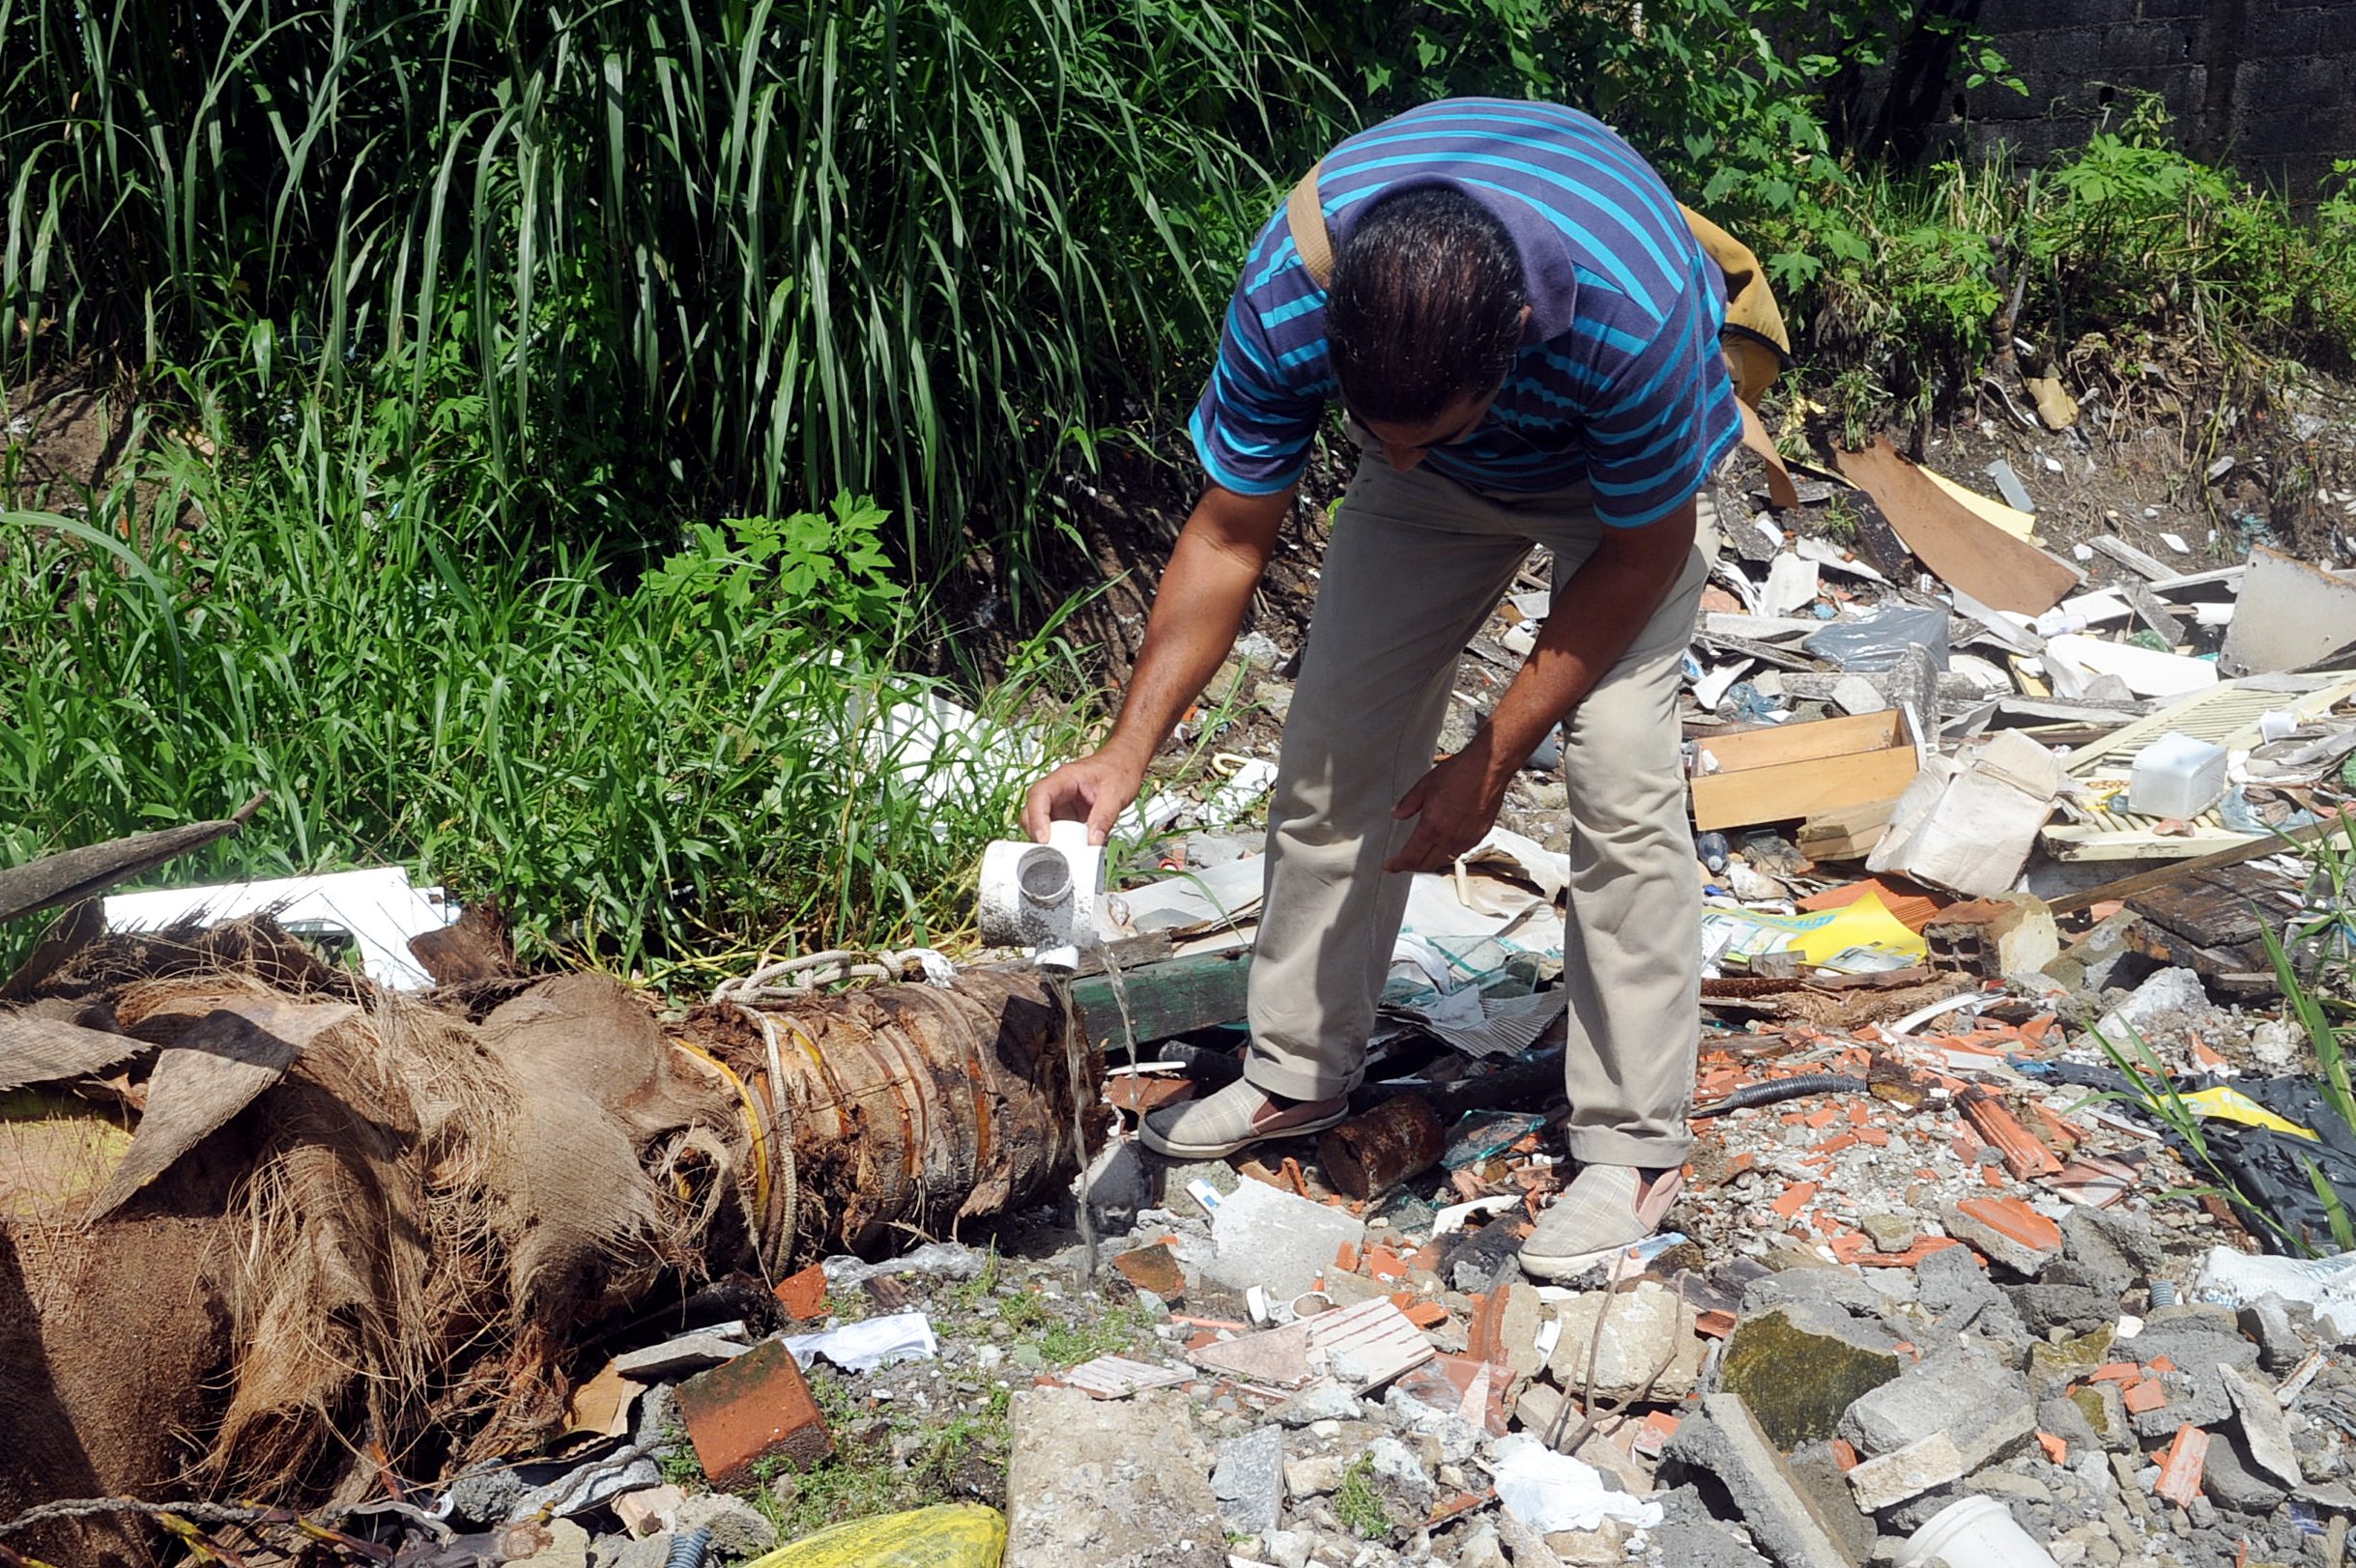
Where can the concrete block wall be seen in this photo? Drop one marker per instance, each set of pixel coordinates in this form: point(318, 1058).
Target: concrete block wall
point(2266, 85)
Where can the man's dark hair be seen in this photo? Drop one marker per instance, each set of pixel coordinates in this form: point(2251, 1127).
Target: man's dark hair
point(1425, 305)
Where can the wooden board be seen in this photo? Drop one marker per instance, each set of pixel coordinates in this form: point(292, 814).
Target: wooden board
point(1737, 750)
point(1848, 834)
point(1964, 552)
point(1783, 791)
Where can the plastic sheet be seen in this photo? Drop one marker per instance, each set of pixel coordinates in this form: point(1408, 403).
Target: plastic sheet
point(1876, 643)
point(953, 1535)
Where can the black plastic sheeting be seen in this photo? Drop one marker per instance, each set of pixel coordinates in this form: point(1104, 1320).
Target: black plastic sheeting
point(2268, 1170)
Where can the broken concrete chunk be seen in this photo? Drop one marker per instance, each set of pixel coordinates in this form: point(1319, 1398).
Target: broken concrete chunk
point(1274, 1238)
point(2106, 1412)
point(1324, 1399)
point(1098, 1484)
point(1400, 1475)
point(2265, 1431)
point(1981, 1403)
point(2054, 1364)
point(1520, 1318)
point(2232, 1479)
point(1647, 1341)
point(1725, 1440)
point(1799, 1367)
point(1248, 1481)
point(688, 1353)
point(1889, 1233)
point(1906, 1472)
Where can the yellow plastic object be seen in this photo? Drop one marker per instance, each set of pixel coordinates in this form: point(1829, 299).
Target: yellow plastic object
point(1858, 936)
point(953, 1535)
point(2233, 1105)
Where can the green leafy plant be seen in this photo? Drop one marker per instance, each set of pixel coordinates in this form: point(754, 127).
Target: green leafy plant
point(1357, 1506)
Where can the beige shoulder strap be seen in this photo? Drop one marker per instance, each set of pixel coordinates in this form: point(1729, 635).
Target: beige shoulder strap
point(1311, 237)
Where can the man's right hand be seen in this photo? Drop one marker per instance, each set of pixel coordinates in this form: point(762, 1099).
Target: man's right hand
point(1217, 562)
point(1094, 790)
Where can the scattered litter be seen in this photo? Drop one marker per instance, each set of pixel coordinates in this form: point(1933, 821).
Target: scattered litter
point(2229, 1278)
point(870, 1343)
point(1551, 1492)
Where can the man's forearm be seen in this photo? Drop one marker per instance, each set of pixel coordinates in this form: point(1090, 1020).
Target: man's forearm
point(1197, 610)
point(1591, 623)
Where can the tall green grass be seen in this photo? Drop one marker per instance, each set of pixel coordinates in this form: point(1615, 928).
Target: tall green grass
point(678, 259)
point(702, 759)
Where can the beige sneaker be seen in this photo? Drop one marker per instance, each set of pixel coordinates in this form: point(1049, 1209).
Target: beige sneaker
point(1235, 1118)
point(1605, 1209)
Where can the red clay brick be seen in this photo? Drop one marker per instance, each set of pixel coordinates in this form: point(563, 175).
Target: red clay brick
point(754, 1407)
point(2057, 1449)
point(2147, 1395)
point(1796, 1197)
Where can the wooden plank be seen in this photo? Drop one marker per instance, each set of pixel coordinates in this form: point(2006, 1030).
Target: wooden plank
point(1853, 844)
point(1850, 818)
point(2134, 559)
point(2127, 887)
point(1804, 788)
point(1173, 997)
point(1815, 741)
point(2222, 577)
point(1848, 834)
point(1964, 550)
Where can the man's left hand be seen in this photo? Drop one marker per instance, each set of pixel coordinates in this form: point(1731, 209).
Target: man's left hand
point(1454, 806)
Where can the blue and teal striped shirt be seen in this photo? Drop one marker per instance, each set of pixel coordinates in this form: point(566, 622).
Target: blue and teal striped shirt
point(1619, 382)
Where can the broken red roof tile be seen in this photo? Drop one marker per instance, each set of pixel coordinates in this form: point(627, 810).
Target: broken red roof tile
point(2181, 1467)
point(2015, 1219)
point(2024, 1154)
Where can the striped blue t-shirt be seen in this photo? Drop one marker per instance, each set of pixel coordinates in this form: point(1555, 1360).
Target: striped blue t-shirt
point(1620, 379)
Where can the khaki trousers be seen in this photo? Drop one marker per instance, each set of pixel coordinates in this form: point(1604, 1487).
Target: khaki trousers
point(1416, 567)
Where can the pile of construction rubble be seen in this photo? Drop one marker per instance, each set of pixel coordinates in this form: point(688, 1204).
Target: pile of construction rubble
point(2010, 1236)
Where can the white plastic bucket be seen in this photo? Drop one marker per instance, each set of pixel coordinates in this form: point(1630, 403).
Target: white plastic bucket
point(1975, 1532)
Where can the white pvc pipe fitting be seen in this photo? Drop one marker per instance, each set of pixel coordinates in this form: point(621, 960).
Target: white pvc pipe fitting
point(1973, 1532)
point(1043, 895)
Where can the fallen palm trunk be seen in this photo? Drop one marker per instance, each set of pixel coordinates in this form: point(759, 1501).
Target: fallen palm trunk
point(908, 1109)
point(268, 1231)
